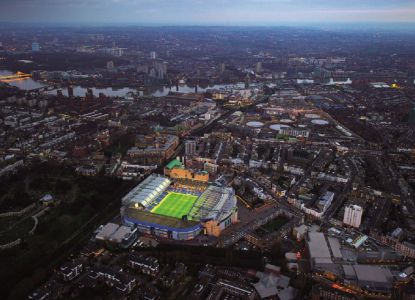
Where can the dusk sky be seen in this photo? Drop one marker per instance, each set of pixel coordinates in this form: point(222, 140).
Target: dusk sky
point(232, 12)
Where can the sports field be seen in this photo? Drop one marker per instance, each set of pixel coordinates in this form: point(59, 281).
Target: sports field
point(175, 205)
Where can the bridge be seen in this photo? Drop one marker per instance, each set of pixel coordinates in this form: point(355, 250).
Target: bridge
point(16, 76)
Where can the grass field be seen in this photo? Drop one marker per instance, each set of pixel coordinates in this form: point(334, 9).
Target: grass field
point(175, 205)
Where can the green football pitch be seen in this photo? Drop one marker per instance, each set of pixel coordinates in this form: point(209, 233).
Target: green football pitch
point(175, 205)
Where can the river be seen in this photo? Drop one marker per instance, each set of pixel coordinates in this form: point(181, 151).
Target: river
point(30, 84)
point(24, 83)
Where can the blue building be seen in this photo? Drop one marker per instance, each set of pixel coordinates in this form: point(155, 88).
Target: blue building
point(35, 47)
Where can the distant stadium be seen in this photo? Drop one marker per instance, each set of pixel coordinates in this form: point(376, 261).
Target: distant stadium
point(160, 207)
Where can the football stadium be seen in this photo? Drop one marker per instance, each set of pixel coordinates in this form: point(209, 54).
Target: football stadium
point(161, 207)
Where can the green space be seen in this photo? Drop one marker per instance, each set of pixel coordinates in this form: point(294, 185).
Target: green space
point(275, 224)
point(83, 203)
point(175, 205)
point(15, 230)
point(283, 137)
point(120, 143)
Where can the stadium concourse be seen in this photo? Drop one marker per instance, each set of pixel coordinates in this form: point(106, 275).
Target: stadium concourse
point(159, 207)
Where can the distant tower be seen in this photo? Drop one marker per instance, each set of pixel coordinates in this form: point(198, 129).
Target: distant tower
point(258, 67)
point(153, 55)
point(247, 81)
point(110, 66)
point(353, 215)
point(190, 148)
point(222, 67)
point(160, 69)
point(70, 91)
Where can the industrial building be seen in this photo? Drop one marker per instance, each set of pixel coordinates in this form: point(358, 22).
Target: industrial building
point(330, 259)
point(116, 235)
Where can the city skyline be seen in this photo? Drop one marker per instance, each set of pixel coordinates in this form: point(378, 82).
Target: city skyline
point(217, 12)
point(222, 149)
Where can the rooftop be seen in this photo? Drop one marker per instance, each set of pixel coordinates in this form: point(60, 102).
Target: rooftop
point(372, 273)
point(317, 245)
point(147, 191)
point(174, 163)
point(154, 219)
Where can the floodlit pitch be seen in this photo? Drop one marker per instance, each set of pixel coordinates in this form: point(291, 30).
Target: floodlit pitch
point(175, 205)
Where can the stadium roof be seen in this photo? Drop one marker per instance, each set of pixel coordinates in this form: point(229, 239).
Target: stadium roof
point(215, 203)
point(146, 217)
point(174, 163)
point(147, 191)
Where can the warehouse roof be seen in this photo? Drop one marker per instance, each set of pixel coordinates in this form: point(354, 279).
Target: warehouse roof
point(368, 273)
point(335, 247)
point(317, 245)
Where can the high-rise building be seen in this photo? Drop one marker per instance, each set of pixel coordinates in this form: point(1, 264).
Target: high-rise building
point(222, 67)
point(161, 69)
point(247, 80)
point(153, 55)
point(353, 215)
point(110, 66)
point(115, 51)
point(258, 67)
point(190, 147)
point(35, 47)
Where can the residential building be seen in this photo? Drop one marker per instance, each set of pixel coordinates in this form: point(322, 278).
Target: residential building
point(353, 215)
